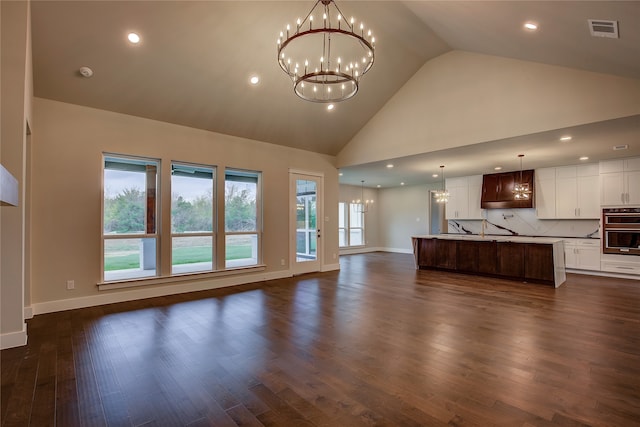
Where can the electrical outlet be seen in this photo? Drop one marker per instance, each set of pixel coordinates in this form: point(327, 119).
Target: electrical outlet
point(282, 261)
point(71, 284)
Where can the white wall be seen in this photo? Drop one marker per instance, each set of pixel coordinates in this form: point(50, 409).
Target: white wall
point(462, 98)
point(67, 191)
point(404, 212)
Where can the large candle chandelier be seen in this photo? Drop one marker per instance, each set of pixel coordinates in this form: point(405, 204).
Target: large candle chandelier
point(325, 54)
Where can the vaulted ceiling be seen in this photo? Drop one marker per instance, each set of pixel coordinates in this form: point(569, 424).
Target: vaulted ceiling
point(195, 59)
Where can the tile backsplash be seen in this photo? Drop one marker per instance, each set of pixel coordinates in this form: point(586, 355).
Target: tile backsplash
point(523, 222)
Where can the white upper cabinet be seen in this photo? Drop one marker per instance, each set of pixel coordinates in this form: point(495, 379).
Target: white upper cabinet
point(464, 197)
point(545, 193)
point(620, 182)
point(568, 192)
point(577, 192)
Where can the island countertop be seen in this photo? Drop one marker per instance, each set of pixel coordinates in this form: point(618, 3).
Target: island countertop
point(493, 237)
point(525, 258)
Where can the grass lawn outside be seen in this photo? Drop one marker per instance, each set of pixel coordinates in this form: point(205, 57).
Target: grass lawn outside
point(125, 258)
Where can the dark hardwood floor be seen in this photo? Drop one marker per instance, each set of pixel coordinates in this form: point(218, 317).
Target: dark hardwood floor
point(377, 343)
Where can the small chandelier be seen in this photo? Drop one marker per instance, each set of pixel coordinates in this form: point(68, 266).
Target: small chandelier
point(442, 196)
point(363, 204)
point(521, 189)
point(326, 54)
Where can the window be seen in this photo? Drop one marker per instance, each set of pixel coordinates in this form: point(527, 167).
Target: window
point(350, 225)
point(192, 218)
point(342, 224)
point(130, 237)
point(306, 221)
point(356, 224)
point(242, 218)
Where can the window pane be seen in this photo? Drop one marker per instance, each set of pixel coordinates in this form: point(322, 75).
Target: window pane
point(341, 212)
point(240, 201)
point(342, 235)
point(355, 214)
point(129, 196)
point(241, 250)
point(129, 258)
point(190, 254)
point(191, 199)
point(355, 237)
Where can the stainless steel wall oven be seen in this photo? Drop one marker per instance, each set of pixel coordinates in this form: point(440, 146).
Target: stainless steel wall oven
point(621, 231)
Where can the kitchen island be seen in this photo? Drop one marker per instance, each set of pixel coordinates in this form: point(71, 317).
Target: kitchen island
point(528, 259)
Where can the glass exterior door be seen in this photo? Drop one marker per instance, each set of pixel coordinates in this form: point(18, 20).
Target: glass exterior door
point(306, 223)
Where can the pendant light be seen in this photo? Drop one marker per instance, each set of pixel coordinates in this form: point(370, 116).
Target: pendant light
point(364, 204)
point(521, 189)
point(442, 196)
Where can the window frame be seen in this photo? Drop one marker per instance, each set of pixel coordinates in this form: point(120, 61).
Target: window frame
point(155, 235)
point(258, 232)
point(347, 227)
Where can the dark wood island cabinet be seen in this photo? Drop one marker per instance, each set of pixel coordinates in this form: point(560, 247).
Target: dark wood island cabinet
point(537, 260)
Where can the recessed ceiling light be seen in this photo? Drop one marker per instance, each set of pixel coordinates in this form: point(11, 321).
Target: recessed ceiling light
point(402, 183)
point(254, 80)
point(497, 168)
point(340, 174)
point(389, 166)
point(133, 38)
point(435, 175)
point(584, 158)
point(330, 107)
point(565, 138)
point(531, 26)
point(378, 185)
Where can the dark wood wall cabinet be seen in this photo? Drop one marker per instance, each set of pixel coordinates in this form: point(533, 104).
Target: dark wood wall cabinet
point(497, 190)
point(524, 261)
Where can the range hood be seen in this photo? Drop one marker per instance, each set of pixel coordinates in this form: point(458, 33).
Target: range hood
point(497, 190)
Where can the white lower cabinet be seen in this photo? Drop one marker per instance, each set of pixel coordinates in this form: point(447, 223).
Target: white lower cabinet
point(582, 254)
point(623, 264)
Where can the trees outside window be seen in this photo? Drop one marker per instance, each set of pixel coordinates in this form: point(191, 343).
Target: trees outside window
point(192, 218)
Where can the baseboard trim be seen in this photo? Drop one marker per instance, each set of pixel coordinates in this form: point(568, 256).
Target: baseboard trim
point(363, 250)
point(397, 250)
point(28, 312)
point(142, 293)
point(330, 267)
point(14, 339)
point(604, 274)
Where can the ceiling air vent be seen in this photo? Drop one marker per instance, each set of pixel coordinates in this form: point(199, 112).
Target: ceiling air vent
point(601, 28)
point(620, 147)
